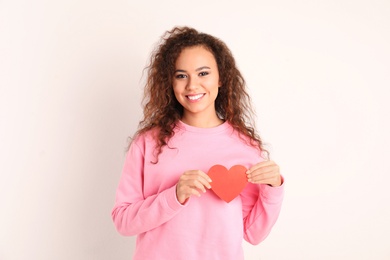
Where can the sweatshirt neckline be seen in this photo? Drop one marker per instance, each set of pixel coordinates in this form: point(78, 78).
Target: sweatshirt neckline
point(208, 130)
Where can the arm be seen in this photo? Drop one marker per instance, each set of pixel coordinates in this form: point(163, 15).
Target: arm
point(133, 213)
point(262, 200)
point(261, 208)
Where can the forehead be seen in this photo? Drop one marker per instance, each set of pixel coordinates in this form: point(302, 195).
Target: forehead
point(195, 56)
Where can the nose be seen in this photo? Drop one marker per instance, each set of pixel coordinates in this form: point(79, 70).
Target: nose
point(192, 83)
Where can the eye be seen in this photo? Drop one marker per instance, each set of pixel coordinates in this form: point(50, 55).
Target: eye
point(180, 76)
point(204, 73)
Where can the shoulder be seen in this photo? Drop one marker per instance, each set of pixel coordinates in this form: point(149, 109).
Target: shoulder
point(243, 138)
point(143, 139)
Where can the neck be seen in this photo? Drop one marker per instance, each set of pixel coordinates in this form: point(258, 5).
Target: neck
point(201, 121)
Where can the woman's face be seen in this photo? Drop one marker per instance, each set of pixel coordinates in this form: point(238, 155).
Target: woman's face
point(196, 82)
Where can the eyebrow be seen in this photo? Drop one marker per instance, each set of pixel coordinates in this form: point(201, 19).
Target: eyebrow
point(198, 69)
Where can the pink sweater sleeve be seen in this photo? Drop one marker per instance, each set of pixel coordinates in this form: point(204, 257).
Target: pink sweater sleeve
point(261, 208)
point(133, 213)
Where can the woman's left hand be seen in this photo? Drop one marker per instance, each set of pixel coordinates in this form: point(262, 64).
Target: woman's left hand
point(266, 172)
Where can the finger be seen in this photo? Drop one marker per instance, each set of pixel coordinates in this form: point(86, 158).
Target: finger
point(193, 182)
point(194, 191)
point(204, 182)
point(260, 165)
point(271, 179)
point(264, 173)
point(184, 192)
point(264, 176)
point(202, 178)
point(199, 185)
point(264, 170)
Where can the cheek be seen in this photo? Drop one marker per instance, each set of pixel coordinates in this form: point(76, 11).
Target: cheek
point(178, 86)
point(175, 89)
point(215, 86)
point(176, 93)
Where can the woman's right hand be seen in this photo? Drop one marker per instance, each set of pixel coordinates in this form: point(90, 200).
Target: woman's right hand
point(192, 183)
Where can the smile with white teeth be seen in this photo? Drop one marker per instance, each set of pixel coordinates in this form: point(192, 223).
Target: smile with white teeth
point(195, 97)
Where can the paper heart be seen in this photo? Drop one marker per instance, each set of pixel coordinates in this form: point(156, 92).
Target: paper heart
point(228, 184)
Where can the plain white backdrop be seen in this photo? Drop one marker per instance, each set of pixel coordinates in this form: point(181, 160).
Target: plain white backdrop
point(70, 91)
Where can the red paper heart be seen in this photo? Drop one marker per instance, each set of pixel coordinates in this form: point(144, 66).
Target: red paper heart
point(228, 184)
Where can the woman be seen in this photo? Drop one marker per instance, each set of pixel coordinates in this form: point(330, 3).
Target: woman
point(197, 114)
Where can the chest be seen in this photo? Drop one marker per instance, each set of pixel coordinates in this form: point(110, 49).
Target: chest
point(186, 152)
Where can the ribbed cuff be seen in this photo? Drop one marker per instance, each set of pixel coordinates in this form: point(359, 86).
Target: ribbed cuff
point(272, 195)
point(171, 199)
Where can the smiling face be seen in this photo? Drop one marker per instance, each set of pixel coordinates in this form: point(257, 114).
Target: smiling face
point(195, 84)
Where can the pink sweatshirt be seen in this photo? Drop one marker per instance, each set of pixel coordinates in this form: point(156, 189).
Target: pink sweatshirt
point(204, 227)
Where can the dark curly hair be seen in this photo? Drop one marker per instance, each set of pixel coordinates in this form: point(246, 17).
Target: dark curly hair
point(162, 110)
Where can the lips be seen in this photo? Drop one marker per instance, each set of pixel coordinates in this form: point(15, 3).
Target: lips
point(195, 97)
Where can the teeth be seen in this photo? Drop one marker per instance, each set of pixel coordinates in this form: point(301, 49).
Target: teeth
point(195, 97)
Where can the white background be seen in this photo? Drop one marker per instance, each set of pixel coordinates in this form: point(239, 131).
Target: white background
point(70, 90)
